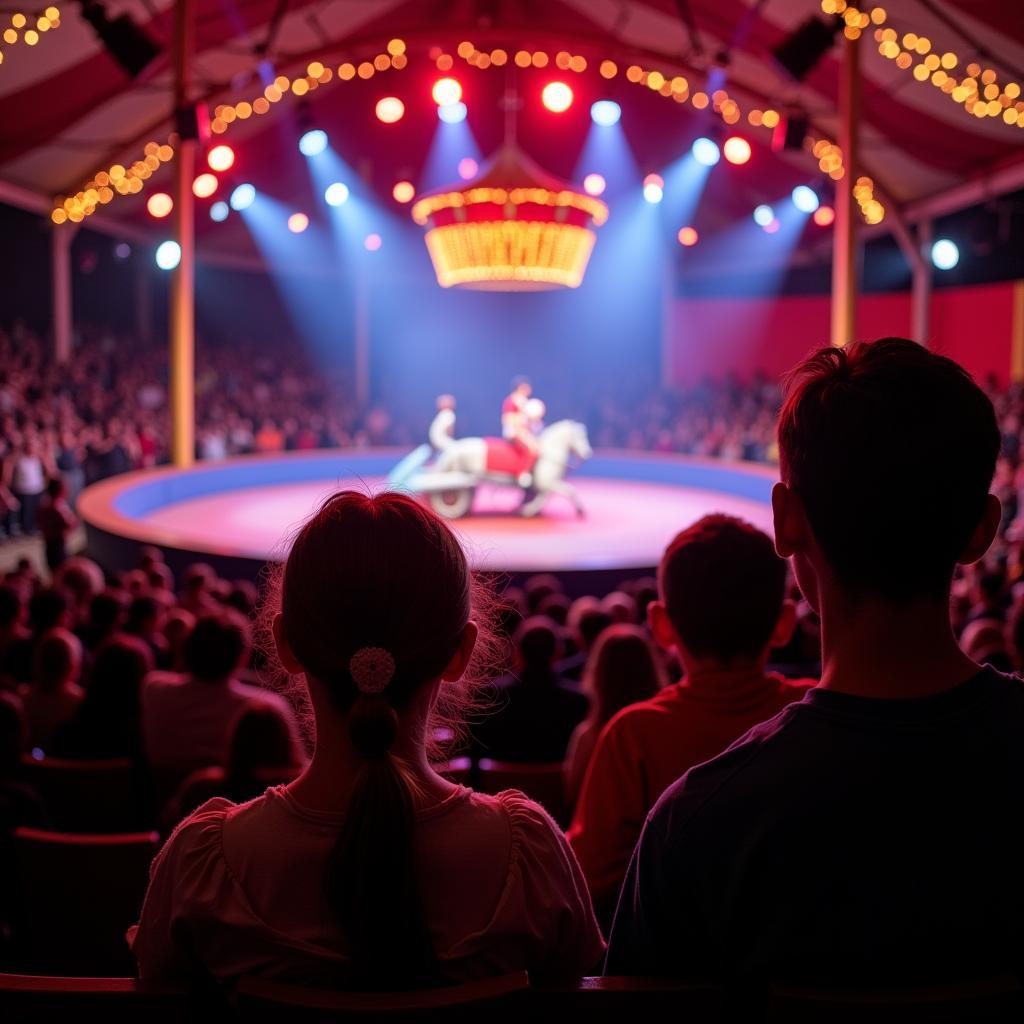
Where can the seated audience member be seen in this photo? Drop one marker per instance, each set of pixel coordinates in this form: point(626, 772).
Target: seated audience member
point(106, 612)
point(623, 669)
point(53, 696)
point(143, 621)
point(868, 835)
point(534, 710)
point(371, 870)
point(13, 632)
point(56, 522)
point(178, 625)
point(263, 752)
point(721, 609)
point(620, 606)
point(587, 621)
point(107, 721)
point(47, 609)
point(187, 717)
point(196, 589)
point(82, 579)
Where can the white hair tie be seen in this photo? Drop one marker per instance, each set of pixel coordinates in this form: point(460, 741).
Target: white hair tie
point(372, 669)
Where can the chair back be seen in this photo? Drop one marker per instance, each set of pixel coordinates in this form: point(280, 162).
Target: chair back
point(78, 895)
point(86, 796)
point(259, 999)
point(111, 1000)
point(541, 782)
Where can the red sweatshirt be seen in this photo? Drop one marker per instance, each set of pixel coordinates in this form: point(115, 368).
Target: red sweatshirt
point(647, 746)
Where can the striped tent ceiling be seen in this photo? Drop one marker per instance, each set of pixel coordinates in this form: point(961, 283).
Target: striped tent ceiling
point(67, 110)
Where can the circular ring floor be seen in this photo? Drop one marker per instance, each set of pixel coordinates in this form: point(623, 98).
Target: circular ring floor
point(247, 509)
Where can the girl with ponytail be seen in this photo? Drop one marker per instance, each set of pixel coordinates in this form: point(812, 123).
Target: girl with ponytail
point(371, 871)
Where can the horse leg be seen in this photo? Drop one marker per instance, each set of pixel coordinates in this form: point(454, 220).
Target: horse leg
point(533, 505)
point(568, 491)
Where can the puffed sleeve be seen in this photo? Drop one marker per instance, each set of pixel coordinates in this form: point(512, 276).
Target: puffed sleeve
point(187, 881)
point(546, 899)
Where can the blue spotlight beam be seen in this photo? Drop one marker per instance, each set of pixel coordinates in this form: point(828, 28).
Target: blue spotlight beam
point(452, 142)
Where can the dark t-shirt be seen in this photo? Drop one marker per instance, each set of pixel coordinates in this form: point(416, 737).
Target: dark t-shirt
point(845, 841)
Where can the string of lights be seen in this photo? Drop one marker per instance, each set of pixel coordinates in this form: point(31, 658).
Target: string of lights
point(317, 74)
point(977, 89)
point(118, 179)
point(29, 28)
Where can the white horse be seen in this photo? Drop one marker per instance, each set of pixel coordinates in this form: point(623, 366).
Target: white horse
point(557, 444)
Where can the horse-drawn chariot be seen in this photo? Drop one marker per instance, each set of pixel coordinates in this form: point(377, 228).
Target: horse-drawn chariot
point(450, 480)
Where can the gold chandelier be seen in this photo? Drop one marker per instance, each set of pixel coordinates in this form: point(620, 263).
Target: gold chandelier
point(512, 228)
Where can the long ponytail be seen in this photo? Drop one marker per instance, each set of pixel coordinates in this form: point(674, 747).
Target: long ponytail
point(371, 880)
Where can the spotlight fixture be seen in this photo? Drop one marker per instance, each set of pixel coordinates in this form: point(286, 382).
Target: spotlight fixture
point(220, 158)
point(468, 168)
point(823, 216)
point(688, 236)
point(336, 194)
point(763, 215)
point(159, 205)
point(243, 197)
point(130, 47)
point(219, 211)
point(654, 188)
point(945, 254)
point(452, 113)
point(390, 110)
point(313, 142)
point(168, 255)
point(403, 191)
point(297, 223)
point(557, 97)
point(594, 184)
point(736, 149)
point(205, 185)
point(446, 91)
point(798, 53)
point(805, 199)
point(705, 151)
point(605, 113)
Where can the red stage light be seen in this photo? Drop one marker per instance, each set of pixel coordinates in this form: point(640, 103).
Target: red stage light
point(468, 168)
point(736, 149)
point(688, 236)
point(159, 205)
point(446, 91)
point(204, 185)
point(772, 226)
point(390, 109)
point(220, 158)
point(372, 242)
point(823, 216)
point(557, 97)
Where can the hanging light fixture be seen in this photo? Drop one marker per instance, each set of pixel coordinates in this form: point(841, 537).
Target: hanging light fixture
point(513, 227)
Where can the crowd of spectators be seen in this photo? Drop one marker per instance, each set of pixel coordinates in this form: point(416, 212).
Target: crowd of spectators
point(761, 763)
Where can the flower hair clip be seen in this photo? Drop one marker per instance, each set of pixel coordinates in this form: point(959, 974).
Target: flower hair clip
point(372, 669)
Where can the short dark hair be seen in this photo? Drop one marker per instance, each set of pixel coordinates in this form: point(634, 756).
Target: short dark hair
point(892, 450)
point(592, 623)
point(216, 644)
point(537, 642)
point(723, 586)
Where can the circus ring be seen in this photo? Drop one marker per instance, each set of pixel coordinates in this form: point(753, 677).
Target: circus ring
point(240, 513)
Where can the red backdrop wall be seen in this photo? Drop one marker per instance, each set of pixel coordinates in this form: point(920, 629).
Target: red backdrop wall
point(713, 337)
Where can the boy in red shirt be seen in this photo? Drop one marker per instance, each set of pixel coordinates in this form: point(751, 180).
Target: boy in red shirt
point(722, 608)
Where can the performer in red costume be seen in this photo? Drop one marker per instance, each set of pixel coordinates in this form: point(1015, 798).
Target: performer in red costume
point(515, 419)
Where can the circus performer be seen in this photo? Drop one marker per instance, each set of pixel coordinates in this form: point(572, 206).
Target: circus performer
point(515, 418)
point(442, 427)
